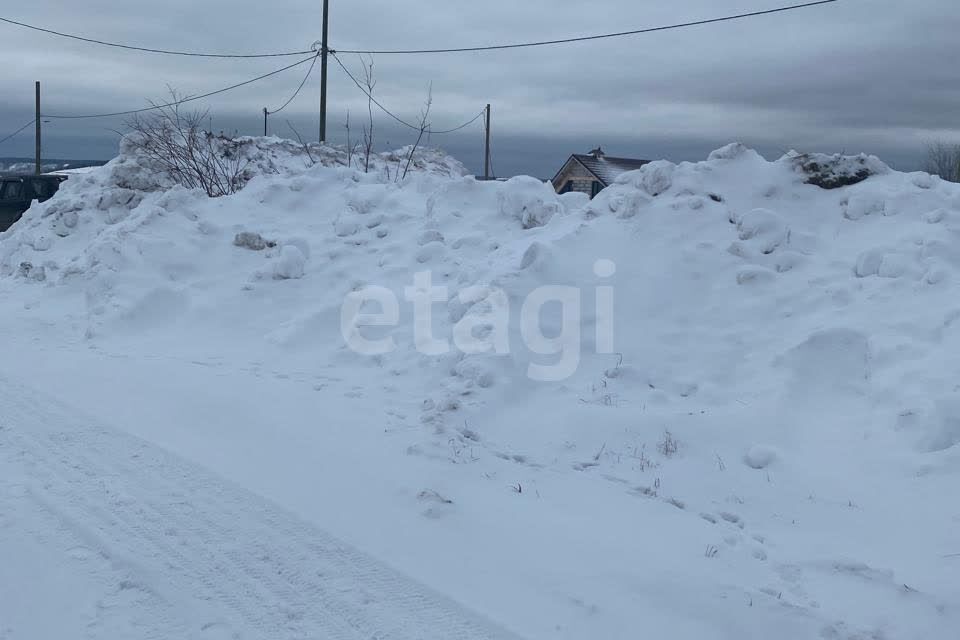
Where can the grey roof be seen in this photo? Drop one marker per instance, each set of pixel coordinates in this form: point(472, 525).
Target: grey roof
point(607, 168)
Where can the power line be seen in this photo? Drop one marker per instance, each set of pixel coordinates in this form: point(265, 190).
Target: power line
point(2, 140)
point(463, 126)
point(518, 45)
point(602, 36)
point(185, 100)
point(168, 52)
point(370, 95)
point(299, 89)
point(390, 113)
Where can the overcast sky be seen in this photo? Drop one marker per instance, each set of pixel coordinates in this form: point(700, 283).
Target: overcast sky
point(858, 75)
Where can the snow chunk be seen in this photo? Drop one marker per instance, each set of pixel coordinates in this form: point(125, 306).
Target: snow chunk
point(868, 263)
point(291, 264)
point(922, 180)
point(252, 241)
point(41, 242)
point(428, 236)
point(731, 151)
point(893, 265)
point(883, 263)
point(430, 252)
point(528, 200)
point(623, 202)
point(653, 178)
point(755, 275)
point(766, 229)
point(788, 261)
point(760, 456)
point(300, 243)
point(65, 222)
point(574, 200)
point(346, 228)
point(861, 205)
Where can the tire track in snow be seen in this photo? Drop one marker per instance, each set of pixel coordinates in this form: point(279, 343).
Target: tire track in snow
point(29, 517)
point(273, 574)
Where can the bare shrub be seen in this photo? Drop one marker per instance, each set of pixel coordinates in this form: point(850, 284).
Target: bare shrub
point(306, 147)
point(424, 126)
point(177, 143)
point(351, 146)
point(668, 445)
point(370, 83)
point(943, 159)
point(641, 460)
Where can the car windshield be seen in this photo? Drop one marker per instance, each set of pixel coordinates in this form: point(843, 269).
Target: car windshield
point(43, 189)
point(12, 190)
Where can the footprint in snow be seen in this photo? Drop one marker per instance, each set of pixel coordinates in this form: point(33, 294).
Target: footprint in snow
point(80, 553)
point(218, 631)
point(732, 518)
point(438, 505)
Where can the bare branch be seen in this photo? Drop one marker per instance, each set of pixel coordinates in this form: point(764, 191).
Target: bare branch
point(424, 126)
point(177, 144)
point(349, 143)
point(370, 83)
point(306, 147)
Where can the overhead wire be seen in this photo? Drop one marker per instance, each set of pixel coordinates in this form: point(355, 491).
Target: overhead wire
point(602, 36)
point(299, 89)
point(315, 53)
point(8, 137)
point(463, 126)
point(169, 52)
point(185, 100)
point(494, 47)
point(369, 95)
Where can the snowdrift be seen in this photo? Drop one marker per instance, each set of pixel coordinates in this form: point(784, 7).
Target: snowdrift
point(779, 399)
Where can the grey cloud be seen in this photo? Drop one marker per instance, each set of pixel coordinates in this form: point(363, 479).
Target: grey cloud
point(857, 75)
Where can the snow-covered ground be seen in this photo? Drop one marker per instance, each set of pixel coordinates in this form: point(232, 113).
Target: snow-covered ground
point(762, 440)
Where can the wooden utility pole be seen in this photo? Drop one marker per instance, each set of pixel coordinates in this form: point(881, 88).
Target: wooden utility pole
point(265, 114)
point(323, 72)
point(38, 168)
point(486, 155)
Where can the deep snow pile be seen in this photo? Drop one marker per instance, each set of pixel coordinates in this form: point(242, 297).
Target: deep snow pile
point(766, 449)
point(86, 228)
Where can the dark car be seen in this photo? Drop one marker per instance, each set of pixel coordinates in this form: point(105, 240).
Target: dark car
point(18, 192)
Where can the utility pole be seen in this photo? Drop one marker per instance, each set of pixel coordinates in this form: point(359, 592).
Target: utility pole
point(38, 168)
point(486, 155)
point(265, 114)
point(323, 72)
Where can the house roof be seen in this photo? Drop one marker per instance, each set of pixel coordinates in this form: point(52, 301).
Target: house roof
point(607, 168)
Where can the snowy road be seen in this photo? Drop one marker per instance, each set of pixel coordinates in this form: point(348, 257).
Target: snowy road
point(151, 546)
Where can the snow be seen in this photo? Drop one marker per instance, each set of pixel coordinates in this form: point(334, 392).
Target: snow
point(654, 178)
point(528, 200)
point(733, 414)
point(73, 172)
point(760, 456)
point(290, 263)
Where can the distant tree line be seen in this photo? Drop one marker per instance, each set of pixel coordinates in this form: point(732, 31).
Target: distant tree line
point(943, 159)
